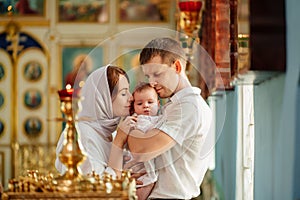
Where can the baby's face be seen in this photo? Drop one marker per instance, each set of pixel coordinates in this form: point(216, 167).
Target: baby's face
point(146, 102)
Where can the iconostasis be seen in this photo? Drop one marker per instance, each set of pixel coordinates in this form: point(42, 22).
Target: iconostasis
point(42, 44)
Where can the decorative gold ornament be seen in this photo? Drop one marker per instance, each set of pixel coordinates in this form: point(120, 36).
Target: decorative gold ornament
point(71, 154)
point(72, 184)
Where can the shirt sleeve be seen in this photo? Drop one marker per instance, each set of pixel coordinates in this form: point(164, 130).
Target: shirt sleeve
point(177, 119)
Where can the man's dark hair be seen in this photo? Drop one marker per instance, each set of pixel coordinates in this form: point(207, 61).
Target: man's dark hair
point(168, 49)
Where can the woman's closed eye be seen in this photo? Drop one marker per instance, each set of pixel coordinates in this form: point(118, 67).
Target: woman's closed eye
point(124, 92)
point(156, 74)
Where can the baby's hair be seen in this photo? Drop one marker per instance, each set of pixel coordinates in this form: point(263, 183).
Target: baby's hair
point(141, 86)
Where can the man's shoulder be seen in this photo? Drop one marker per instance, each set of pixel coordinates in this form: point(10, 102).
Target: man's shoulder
point(188, 93)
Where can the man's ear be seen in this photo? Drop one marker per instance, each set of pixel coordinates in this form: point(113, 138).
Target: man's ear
point(178, 66)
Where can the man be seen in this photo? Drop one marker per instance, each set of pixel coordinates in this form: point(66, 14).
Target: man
point(177, 139)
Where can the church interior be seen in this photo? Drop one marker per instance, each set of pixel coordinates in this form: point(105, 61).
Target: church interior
point(252, 87)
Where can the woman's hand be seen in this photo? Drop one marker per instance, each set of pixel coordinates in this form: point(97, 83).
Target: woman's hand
point(127, 124)
point(116, 153)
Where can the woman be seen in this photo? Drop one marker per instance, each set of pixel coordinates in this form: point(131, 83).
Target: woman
point(106, 99)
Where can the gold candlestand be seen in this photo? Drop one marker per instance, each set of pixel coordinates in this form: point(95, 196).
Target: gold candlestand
point(71, 154)
point(72, 184)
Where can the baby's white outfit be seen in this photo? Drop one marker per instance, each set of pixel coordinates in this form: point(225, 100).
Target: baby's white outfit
point(145, 123)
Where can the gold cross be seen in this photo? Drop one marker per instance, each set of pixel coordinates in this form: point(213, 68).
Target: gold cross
point(14, 47)
point(12, 31)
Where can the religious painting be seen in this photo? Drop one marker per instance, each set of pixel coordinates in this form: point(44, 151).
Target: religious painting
point(83, 11)
point(32, 99)
point(129, 58)
point(1, 127)
point(33, 126)
point(1, 100)
point(23, 8)
point(79, 62)
point(144, 10)
point(2, 72)
point(33, 71)
point(2, 158)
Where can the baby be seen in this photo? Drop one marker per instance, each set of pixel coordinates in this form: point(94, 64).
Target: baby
point(146, 106)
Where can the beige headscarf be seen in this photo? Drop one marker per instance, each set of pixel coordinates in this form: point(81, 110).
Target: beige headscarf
point(97, 104)
point(98, 125)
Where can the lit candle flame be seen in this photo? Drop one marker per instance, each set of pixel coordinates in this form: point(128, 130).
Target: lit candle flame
point(9, 8)
point(68, 86)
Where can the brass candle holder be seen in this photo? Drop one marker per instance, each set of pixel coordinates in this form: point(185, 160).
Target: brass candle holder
point(189, 23)
point(71, 154)
point(72, 184)
point(190, 15)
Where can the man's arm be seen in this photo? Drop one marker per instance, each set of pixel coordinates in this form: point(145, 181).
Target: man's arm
point(147, 146)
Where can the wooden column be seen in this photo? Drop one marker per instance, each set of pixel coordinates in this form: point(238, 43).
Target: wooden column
point(233, 38)
point(208, 41)
point(222, 47)
point(219, 37)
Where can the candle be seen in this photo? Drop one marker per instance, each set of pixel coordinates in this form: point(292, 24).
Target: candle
point(190, 6)
point(65, 93)
point(69, 92)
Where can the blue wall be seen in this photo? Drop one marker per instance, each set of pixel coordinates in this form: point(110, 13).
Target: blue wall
point(268, 98)
point(297, 141)
point(224, 172)
point(291, 109)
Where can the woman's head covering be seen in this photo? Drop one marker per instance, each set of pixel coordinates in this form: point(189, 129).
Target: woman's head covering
point(96, 124)
point(97, 110)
